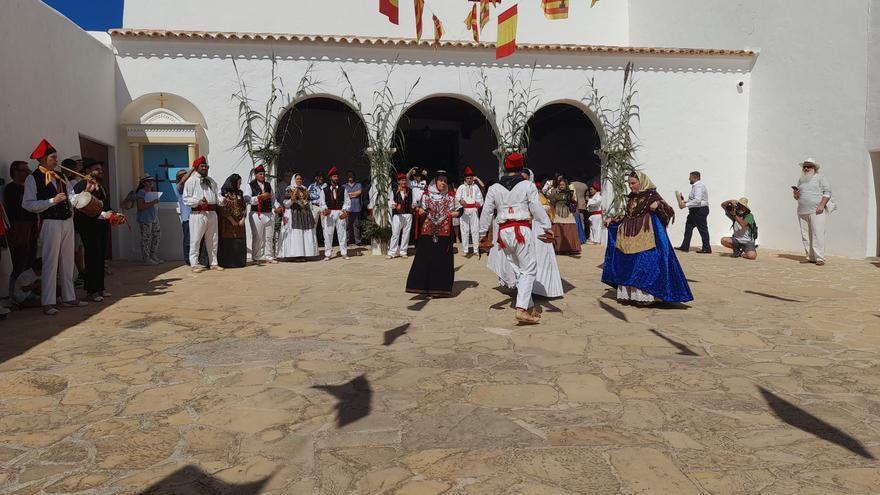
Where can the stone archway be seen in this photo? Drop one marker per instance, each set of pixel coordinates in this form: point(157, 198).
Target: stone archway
point(319, 132)
point(449, 133)
point(563, 139)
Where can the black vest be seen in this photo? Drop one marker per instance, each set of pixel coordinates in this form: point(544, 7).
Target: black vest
point(406, 203)
point(265, 206)
point(328, 197)
point(58, 211)
point(100, 194)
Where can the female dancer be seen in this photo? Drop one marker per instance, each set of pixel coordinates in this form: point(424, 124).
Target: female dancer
point(432, 272)
point(298, 239)
point(565, 231)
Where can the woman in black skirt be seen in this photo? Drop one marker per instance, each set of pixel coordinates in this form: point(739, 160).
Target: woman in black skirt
point(432, 272)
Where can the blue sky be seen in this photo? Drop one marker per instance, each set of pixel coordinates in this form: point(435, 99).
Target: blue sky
point(91, 15)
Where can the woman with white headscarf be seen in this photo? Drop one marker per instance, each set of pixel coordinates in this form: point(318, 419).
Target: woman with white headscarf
point(432, 272)
point(639, 260)
point(548, 282)
point(298, 238)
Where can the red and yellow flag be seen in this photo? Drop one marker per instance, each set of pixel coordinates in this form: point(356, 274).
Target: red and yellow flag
point(484, 13)
point(438, 30)
point(389, 8)
point(506, 33)
point(420, 9)
point(593, 4)
point(471, 23)
point(555, 9)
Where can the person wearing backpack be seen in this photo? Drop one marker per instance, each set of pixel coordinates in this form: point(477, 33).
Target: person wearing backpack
point(744, 240)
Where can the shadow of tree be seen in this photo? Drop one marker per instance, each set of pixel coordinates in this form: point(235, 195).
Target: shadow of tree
point(355, 399)
point(390, 336)
point(797, 417)
point(191, 480)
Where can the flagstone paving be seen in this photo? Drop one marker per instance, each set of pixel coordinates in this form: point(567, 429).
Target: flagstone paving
point(326, 378)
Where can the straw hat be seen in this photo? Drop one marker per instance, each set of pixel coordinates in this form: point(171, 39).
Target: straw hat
point(145, 178)
point(810, 161)
point(743, 201)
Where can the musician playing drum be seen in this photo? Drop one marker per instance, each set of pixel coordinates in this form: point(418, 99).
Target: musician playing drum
point(95, 230)
point(744, 240)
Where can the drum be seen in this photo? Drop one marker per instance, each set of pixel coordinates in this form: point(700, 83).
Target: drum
point(87, 204)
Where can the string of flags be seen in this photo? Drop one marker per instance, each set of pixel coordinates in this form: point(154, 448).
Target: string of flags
point(476, 20)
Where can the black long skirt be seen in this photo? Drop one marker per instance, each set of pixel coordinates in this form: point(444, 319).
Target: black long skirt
point(432, 272)
point(232, 253)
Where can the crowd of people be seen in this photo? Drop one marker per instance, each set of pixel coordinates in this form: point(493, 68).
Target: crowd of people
point(56, 222)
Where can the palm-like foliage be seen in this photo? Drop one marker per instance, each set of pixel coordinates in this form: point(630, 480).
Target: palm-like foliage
point(522, 101)
point(618, 151)
point(261, 140)
point(381, 129)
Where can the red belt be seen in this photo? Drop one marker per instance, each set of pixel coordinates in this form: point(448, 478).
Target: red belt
point(513, 224)
point(204, 209)
point(595, 212)
point(471, 205)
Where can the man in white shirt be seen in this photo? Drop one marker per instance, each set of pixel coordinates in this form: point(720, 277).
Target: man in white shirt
point(335, 206)
point(813, 193)
point(258, 194)
point(698, 214)
point(470, 198)
point(201, 195)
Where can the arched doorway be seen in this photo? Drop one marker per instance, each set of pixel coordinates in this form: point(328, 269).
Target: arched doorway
point(320, 132)
point(449, 133)
point(563, 140)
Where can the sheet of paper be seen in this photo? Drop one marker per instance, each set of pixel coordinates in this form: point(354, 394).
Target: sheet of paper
point(152, 196)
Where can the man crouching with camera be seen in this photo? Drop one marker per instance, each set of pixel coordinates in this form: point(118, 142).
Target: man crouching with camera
point(745, 230)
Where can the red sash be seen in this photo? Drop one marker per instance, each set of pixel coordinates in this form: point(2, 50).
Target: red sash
point(513, 224)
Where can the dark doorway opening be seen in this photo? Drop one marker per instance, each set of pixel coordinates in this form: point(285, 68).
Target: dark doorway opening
point(319, 133)
point(449, 134)
point(563, 140)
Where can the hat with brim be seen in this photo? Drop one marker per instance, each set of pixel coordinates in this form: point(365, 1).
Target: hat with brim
point(145, 178)
point(810, 161)
point(743, 201)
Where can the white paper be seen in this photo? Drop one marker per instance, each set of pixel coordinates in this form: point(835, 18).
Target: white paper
point(152, 196)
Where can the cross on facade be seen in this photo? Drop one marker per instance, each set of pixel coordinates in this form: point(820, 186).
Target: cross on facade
point(162, 100)
point(167, 166)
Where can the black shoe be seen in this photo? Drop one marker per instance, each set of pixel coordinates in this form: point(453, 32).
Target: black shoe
point(704, 251)
point(683, 250)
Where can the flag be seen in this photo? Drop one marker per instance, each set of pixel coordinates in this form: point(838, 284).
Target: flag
point(389, 9)
point(438, 30)
point(506, 33)
point(593, 4)
point(555, 9)
point(420, 9)
point(484, 13)
point(471, 23)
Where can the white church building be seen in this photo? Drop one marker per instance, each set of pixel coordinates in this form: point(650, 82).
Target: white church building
point(741, 90)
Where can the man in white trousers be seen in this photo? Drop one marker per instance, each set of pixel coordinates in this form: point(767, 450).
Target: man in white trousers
point(335, 205)
point(401, 203)
point(258, 193)
point(48, 193)
point(200, 193)
point(470, 198)
point(514, 202)
point(813, 194)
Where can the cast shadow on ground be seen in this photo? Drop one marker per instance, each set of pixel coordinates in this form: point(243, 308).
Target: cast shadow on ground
point(422, 301)
point(460, 286)
point(683, 350)
point(611, 310)
point(16, 339)
point(771, 296)
point(355, 399)
point(567, 286)
point(797, 417)
point(191, 480)
point(544, 303)
point(793, 257)
point(390, 336)
point(693, 281)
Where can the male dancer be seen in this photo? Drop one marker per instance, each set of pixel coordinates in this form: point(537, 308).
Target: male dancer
point(262, 216)
point(201, 194)
point(471, 199)
point(335, 205)
point(401, 218)
point(514, 201)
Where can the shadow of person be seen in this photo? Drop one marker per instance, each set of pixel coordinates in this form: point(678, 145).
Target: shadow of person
point(191, 480)
point(683, 350)
point(355, 399)
point(771, 296)
point(620, 315)
point(793, 257)
point(422, 301)
point(460, 286)
point(390, 336)
point(802, 420)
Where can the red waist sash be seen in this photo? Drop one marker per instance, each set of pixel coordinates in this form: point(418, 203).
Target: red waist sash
point(513, 224)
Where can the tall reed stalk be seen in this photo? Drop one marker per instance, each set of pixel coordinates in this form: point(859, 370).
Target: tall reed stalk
point(522, 101)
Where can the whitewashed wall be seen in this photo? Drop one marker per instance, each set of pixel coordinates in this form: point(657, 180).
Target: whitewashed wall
point(808, 94)
point(57, 82)
point(604, 24)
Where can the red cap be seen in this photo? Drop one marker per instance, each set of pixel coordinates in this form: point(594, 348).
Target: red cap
point(333, 171)
point(401, 175)
point(596, 185)
point(200, 160)
point(514, 161)
point(43, 150)
point(468, 172)
point(259, 169)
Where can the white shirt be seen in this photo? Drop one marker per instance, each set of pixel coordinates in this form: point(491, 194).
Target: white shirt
point(812, 192)
point(594, 203)
point(182, 208)
point(471, 194)
point(253, 200)
point(346, 203)
point(698, 197)
point(195, 189)
point(519, 203)
point(30, 202)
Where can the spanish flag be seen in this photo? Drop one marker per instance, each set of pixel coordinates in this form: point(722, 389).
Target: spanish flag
point(506, 33)
point(593, 4)
point(420, 9)
point(438, 30)
point(389, 8)
point(484, 13)
point(471, 23)
point(555, 9)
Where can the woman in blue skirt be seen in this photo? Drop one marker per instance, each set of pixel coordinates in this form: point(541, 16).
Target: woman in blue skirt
point(639, 260)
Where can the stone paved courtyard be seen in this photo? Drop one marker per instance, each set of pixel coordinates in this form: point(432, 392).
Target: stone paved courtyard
point(326, 378)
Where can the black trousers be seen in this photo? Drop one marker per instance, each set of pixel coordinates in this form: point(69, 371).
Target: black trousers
point(697, 217)
point(94, 235)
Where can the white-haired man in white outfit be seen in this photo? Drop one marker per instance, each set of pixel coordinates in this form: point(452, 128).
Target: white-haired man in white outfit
point(813, 194)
